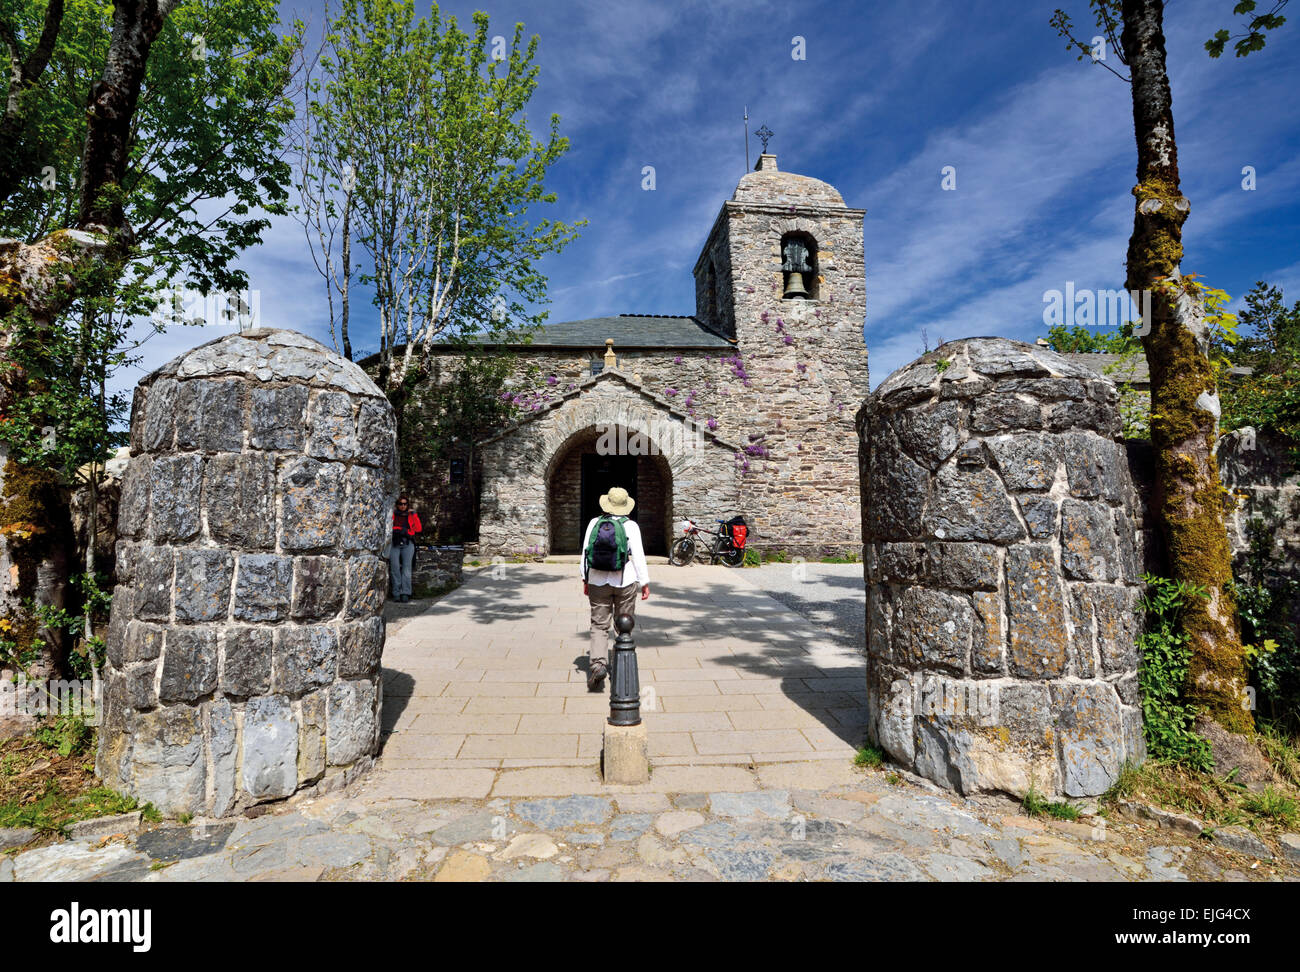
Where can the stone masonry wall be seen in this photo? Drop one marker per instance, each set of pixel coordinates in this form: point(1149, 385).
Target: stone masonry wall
point(1264, 490)
point(245, 639)
point(437, 569)
point(1265, 485)
point(700, 384)
point(514, 516)
point(1002, 569)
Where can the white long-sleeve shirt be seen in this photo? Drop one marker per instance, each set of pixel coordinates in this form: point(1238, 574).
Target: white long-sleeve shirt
point(634, 570)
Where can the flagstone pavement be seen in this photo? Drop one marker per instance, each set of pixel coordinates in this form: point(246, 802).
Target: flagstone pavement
point(485, 692)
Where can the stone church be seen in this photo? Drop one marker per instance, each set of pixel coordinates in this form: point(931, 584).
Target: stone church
point(744, 407)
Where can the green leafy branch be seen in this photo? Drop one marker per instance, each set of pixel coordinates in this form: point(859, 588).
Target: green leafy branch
point(1252, 39)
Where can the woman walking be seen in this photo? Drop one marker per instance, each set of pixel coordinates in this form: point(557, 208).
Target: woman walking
point(406, 526)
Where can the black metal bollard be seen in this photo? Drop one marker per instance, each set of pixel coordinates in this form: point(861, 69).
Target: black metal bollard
point(625, 686)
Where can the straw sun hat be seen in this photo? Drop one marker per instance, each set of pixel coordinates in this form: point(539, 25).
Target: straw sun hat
point(617, 502)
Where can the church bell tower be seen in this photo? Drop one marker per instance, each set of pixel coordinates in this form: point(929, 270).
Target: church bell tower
point(782, 275)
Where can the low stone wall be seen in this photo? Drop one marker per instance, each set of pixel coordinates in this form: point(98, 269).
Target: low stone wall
point(437, 569)
point(245, 639)
point(1002, 569)
point(1265, 487)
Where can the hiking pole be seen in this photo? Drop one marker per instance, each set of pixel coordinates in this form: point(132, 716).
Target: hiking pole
point(625, 688)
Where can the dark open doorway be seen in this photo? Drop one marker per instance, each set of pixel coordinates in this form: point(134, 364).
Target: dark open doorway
point(579, 475)
point(600, 474)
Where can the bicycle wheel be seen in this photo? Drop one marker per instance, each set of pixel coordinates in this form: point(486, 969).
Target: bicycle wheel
point(682, 553)
point(730, 556)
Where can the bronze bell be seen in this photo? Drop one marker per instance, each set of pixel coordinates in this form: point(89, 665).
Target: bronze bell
point(794, 287)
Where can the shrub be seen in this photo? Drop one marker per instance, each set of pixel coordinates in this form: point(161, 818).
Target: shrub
point(1162, 673)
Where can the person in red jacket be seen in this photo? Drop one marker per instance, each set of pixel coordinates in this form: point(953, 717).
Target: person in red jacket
point(406, 527)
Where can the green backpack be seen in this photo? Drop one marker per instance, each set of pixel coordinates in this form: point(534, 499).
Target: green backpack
point(607, 548)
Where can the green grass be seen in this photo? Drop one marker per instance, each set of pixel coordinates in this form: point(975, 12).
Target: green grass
point(47, 780)
point(1282, 751)
point(1273, 805)
point(847, 557)
point(1125, 785)
point(67, 735)
point(1036, 805)
point(53, 811)
point(1219, 801)
point(869, 755)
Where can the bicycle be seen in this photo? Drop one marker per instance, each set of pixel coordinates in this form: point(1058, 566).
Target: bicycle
point(719, 546)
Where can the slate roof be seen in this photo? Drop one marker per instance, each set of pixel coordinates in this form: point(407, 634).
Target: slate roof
point(1120, 368)
point(629, 331)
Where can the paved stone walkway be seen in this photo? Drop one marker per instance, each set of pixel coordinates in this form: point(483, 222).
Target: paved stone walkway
point(485, 692)
point(832, 596)
point(811, 821)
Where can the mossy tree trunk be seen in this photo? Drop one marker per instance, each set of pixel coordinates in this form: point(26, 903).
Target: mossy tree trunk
point(36, 544)
point(1189, 498)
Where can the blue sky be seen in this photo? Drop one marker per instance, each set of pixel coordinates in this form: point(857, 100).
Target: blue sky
point(889, 94)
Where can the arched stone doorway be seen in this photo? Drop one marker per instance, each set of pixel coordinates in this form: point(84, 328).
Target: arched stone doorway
point(582, 471)
point(525, 481)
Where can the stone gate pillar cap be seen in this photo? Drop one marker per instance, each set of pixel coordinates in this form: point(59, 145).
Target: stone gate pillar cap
point(966, 367)
point(270, 355)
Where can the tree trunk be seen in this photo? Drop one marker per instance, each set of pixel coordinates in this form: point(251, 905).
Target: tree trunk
point(136, 24)
point(398, 395)
point(347, 275)
point(36, 539)
point(1189, 499)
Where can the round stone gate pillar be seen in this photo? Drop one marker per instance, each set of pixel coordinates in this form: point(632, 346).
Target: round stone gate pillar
point(1002, 572)
point(245, 639)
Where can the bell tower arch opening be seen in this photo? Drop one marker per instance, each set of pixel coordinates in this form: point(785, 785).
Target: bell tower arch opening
point(799, 266)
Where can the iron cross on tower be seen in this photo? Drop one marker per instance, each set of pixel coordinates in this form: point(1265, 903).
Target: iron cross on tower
point(765, 134)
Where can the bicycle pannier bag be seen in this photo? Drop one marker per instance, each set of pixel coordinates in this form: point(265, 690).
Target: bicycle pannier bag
point(739, 531)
